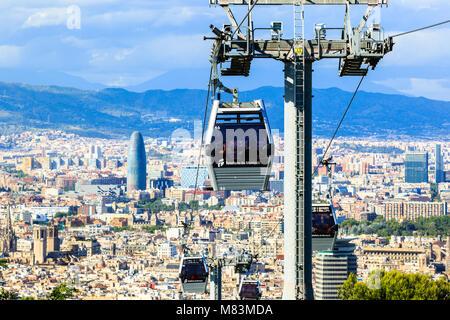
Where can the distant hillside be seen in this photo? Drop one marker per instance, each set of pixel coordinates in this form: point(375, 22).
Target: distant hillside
point(46, 77)
point(156, 113)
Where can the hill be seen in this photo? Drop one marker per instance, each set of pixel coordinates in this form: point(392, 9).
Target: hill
point(156, 113)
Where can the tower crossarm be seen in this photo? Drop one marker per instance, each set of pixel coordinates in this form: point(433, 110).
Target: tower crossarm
point(356, 48)
point(314, 49)
point(306, 2)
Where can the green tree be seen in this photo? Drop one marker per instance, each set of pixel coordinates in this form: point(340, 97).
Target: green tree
point(183, 206)
point(61, 214)
point(193, 204)
point(8, 295)
point(154, 205)
point(20, 174)
point(152, 229)
point(3, 263)
point(431, 226)
point(120, 229)
point(345, 291)
point(395, 285)
point(62, 292)
point(434, 191)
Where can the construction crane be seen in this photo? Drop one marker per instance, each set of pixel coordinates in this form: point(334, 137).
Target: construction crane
point(358, 49)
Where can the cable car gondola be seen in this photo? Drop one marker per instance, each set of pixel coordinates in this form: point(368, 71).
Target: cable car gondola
point(244, 264)
point(324, 226)
point(193, 274)
point(249, 290)
point(239, 146)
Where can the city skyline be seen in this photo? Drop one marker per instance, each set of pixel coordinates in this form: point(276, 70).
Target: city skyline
point(368, 185)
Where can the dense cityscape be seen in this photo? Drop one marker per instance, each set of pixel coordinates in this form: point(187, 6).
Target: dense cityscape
point(108, 217)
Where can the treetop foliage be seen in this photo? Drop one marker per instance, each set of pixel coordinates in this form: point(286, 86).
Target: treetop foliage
point(395, 285)
point(432, 226)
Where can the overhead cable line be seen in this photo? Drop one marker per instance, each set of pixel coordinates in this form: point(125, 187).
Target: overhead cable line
point(339, 125)
point(203, 133)
point(420, 29)
point(342, 119)
point(186, 225)
point(257, 251)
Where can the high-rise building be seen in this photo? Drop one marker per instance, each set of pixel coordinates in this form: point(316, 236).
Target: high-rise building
point(94, 152)
point(27, 164)
point(416, 167)
point(91, 150)
point(136, 163)
point(439, 164)
point(188, 176)
point(364, 167)
point(98, 151)
point(332, 268)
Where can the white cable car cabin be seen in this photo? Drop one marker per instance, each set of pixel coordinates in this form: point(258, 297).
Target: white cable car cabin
point(324, 226)
point(193, 274)
point(239, 146)
point(249, 290)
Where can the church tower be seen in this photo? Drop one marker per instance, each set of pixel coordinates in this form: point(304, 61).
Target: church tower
point(52, 239)
point(40, 244)
point(8, 239)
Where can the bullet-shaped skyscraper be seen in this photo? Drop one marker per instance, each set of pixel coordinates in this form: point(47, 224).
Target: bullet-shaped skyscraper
point(136, 163)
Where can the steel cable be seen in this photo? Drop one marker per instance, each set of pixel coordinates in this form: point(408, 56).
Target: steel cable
point(420, 29)
point(339, 125)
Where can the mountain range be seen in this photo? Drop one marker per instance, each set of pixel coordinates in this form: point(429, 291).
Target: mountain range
point(116, 112)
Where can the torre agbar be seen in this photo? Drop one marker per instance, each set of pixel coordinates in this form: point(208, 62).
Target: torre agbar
point(136, 163)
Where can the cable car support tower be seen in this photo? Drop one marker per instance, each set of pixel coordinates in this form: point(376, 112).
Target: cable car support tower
point(358, 46)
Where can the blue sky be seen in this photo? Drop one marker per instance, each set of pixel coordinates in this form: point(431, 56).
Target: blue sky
point(125, 43)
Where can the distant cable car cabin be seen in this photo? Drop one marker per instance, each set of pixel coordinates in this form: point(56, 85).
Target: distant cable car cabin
point(324, 226)
point(239, 146)
point(193, 274)
point(244, 264)
point(249, 290)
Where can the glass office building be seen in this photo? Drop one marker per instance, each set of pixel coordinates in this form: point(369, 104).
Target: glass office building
point(440, 173)
point(416, 167)
point(189, 173)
